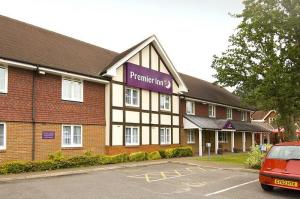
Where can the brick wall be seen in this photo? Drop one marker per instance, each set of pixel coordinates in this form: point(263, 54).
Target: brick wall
point(221, 112)
point(201, 109)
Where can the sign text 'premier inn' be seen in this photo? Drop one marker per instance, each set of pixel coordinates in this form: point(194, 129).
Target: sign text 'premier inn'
point(145, 78)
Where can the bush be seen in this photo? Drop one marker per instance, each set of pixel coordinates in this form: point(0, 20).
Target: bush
point(155, 155)
point(123, 157)
point(162, 153)
point(255, 157)
point(57, 156)
point(138, 156)
point(179, 152)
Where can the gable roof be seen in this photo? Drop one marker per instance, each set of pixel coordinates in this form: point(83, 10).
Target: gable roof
point(209, 92)
point(26, 43)
point(261, 115)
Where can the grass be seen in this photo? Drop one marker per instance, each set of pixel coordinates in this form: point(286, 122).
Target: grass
point(229, 158)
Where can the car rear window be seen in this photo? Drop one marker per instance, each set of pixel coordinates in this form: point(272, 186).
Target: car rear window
point(284, 152)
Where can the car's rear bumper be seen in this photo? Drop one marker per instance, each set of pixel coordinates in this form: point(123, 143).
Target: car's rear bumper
point(269, 179)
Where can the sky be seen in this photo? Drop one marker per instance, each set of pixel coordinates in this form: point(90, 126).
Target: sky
point(190, 31)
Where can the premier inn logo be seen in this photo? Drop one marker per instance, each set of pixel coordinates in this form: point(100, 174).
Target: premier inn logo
point(145, 78)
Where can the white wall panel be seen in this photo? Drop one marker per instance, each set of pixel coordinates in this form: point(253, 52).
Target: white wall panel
point(176, 104)
point(145, 100)
point(154, 101)
point(145, 57)
point(145, 118)
point(117, 115)
point(154, 118)
point(175, 87)
point(145, 135)
point(175, 120)
point(117, 135)
point(119, 76)
point(132, 116)
point(154, 59)
point(155, 135)
point(165, 119)
point(135, 59)
point(162, 67)
point(117, 95)
point(175, 135)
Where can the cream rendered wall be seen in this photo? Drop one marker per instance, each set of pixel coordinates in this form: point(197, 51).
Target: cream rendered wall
point(155, 135)
point(163, 69)
point(175, 87)
point(135, 59)
point(154, 118)
point(117, 115)
point(154, 101)
point(145, 135)
point(107, 113)
point(165, 119)
point(175, 102)
point(176, 120)
point(132, 116)
point(117, 90)
point(145, 57)
point(154, 59)
point(175, 135)
point(145, 100)
point(119, 76)
point(145, 118)
point(117, 135)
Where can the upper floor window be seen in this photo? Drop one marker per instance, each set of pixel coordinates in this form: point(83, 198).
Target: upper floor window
point(165, 136)
point(211, 111)
point(132, 136)
point(132, 97)
point(2, 136)
point(223, 137)
point(72, 90)
point(190, 107)
point(244, 116)
point(71, 136)
point(191, 137)
point(229, 113)
point(3, 79)
point(165, 102)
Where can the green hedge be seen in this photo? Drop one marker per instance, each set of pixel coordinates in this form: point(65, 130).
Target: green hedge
point(58, 161)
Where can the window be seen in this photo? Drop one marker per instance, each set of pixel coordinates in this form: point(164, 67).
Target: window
point(165, 102)
point(132, 97)
point(244, 116)
point(284, 152)
point(191, 137)
point(132, 136)
point(223, 138)
point(72, 90)
point(190, 107)
point(211, 111)
point(3, 79)
point(2, 136)
point(229, 113)
point(72, 136)
point(165, 136)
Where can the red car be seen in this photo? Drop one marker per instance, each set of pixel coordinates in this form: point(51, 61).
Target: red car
point(281, 167)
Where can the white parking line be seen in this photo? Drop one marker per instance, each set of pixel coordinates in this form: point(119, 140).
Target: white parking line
point(227, 189)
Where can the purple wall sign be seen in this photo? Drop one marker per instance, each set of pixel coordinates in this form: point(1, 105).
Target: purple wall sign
point(145, 78)
point(48, 135)
point(228, 125)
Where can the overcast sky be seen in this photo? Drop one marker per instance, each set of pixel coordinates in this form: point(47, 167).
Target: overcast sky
point(191, 31)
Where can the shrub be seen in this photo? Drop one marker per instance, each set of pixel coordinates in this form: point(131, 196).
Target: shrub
point(155, 155)
point(15, 167)
point(162, 153)
point(57, 156)
point(255, 157)
point(183, 151)
point(123, 157)
point(138, 156)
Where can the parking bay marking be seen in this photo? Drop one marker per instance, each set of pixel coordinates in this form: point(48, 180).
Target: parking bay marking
point(230, 188)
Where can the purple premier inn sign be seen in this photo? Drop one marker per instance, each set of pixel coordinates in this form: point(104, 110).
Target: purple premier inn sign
point(145, 78)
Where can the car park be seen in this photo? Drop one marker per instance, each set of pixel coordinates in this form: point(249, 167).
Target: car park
point(281, 167)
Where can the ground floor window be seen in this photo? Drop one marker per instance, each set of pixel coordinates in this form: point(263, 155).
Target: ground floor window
point(165, 136)
point(191, 137)
point(2, 136)
point(132, 136)
point(72, 136)
point(223, 137)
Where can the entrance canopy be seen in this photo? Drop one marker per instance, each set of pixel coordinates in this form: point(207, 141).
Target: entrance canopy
point(220, 124)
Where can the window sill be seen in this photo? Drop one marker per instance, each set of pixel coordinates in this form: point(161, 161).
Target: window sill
point(71, 147)
point(191, 143)
point(165, 144)
point(2, 150)
point(132, 106)
point(72, 101)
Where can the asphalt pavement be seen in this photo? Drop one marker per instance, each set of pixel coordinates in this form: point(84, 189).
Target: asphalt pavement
point(169, 180)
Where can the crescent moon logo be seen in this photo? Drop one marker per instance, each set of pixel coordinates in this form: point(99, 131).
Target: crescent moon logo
point(168, 85)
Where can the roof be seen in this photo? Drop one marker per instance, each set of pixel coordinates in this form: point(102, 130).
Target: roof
point(26, 43)
point(207, 91)
point(264, 125)
point(294, 143)
point(218, 124)
point(260, 115)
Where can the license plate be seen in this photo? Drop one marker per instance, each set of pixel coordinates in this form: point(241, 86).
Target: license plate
point(286, 183)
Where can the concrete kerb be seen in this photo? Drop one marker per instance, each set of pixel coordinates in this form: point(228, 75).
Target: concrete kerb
point(78, 171)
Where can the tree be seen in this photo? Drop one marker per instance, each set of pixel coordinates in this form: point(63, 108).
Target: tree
point(262, 61)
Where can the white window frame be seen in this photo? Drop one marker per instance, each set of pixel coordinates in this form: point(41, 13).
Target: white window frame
point(131, 135)
point(164, 133)
point(72, 98)
point(162, 102)
point(5, 79)
point(191, 136)
point(223, 137)
point(190, 110)
point(72, 136)
point(131, 97)
point(243, 116)
point(229, 113)
point(4, 136)
point(212, 113)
